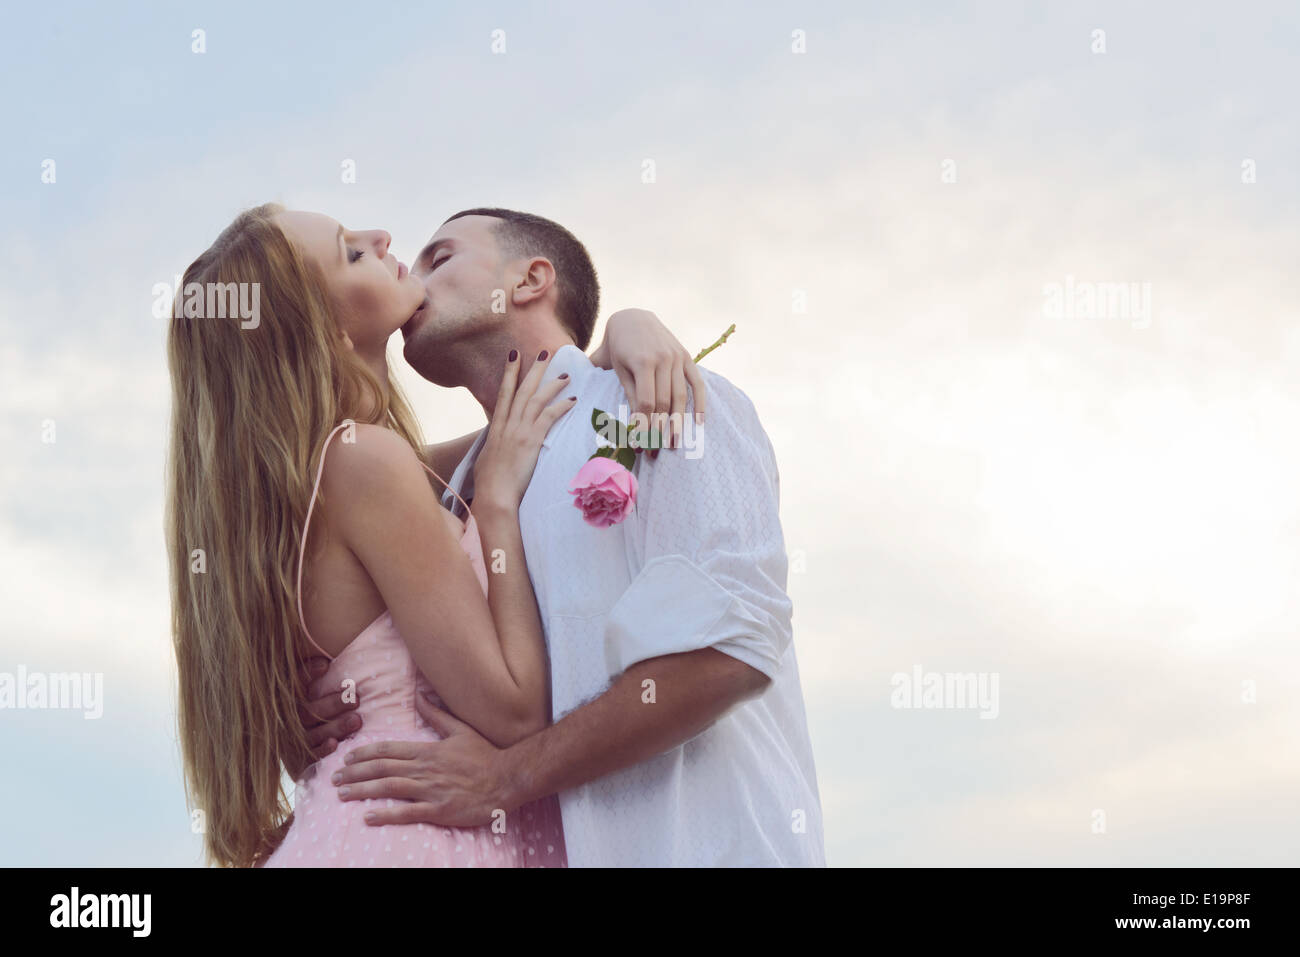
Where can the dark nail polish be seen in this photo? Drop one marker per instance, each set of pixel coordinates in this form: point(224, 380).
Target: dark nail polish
point(563, 375)
point(541, 355)
point(514, 354)
point(573, 398)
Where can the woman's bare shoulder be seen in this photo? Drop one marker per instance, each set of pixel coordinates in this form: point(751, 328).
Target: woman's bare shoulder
point(378, 470)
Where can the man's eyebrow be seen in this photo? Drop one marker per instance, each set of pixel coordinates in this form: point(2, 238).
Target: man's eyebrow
point(427, 252)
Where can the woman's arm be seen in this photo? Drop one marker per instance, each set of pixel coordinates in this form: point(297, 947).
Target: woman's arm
point(485, 658)
point(654, 369)
point(653, 366)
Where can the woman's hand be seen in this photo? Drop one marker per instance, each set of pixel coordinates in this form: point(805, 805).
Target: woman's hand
point(523, 415)
point(654, 369)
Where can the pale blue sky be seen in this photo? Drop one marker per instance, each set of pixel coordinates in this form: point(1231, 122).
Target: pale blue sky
point(1105, 516)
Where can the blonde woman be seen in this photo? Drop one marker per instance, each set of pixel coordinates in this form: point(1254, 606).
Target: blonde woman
point(301, 523)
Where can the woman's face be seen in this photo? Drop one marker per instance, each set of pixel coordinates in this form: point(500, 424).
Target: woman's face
point(375, 293)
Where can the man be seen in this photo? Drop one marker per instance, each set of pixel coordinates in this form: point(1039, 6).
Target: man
point(679, 735)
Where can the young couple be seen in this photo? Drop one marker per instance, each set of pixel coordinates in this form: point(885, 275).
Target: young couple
point(479, 673)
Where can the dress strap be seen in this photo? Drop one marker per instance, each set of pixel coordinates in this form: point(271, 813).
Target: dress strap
point(306, 525)
point(449, 489)
point(302, 546)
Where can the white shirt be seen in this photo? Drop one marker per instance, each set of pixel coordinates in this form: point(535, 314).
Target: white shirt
point(700, 563)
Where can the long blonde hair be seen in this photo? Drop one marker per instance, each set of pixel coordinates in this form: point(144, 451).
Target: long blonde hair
point(251, 407)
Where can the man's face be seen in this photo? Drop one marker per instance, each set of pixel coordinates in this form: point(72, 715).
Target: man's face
point(460, 268)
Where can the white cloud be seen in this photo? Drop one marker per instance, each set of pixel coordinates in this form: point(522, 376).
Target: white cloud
point(1104, 514)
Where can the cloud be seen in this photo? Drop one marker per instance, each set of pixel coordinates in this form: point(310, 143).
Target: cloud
point(1102, 514)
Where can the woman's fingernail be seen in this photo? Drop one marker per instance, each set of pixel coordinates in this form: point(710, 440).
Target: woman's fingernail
point(573, 398)
point(338, 777)
point(541, 355)
point(370, 818)
point(344, 792)
point(514, 354)
point(563, 375)
point(353, 722)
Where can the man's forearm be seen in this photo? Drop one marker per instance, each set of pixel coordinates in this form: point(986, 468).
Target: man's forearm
point(631, 722)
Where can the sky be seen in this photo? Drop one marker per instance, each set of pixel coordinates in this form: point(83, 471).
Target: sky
point(1095, 506)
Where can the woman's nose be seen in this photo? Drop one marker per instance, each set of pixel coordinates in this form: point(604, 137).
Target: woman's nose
point(382, 241)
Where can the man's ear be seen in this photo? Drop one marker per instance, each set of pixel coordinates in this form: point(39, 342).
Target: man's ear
point(537, 280)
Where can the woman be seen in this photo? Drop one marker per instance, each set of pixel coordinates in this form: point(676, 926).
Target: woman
point(255, 503)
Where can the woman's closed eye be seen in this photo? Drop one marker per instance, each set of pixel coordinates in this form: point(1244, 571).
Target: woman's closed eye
point(354, 255)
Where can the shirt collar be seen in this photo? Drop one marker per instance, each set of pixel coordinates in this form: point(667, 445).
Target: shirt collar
point(461, 480)
point(568, 358)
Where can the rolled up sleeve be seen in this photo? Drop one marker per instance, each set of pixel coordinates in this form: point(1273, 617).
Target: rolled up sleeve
point(706, 547)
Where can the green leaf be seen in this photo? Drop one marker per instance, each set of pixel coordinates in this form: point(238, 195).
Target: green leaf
point(604, 452)
point(608, 427)
point(626, 458)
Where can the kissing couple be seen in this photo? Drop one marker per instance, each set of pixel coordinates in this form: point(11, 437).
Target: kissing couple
point(577, 651)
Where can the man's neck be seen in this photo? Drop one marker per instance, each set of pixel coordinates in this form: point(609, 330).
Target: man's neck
point(483, 378)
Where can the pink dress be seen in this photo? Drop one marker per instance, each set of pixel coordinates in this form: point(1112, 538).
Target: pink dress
point(327, 832)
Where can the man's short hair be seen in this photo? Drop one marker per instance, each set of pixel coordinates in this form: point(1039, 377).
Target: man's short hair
point(578, 291)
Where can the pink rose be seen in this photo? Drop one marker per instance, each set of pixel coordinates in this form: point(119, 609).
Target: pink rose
point(605, 491)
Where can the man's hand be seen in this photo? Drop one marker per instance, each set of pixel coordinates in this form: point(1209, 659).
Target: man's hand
point(326, 716)
point(456, 782)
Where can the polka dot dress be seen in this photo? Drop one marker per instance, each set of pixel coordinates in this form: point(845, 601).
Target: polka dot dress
point(327, 832)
